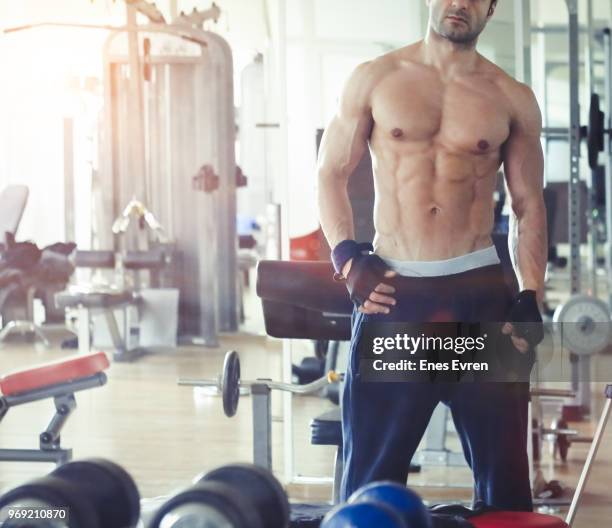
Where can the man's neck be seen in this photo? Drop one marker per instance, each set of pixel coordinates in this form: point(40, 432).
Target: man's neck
point(450, 58)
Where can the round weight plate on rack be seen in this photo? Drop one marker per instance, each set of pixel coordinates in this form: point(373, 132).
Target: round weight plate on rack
point(230, 383)
point(596, 131)
point(584, 325)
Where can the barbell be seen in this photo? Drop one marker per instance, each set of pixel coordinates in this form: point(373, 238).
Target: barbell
point(228, 383)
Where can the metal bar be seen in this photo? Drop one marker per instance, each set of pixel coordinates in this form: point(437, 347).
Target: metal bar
point(575, 221)
point(607, 39)
point(136, 152)
point(227, 243)
point(588, 465)
point(64, 405)
point(435, 436)
point(591, 198)
point(574, 218)
point(282, 196)
point(84, 334)
point(555, 131)
point(56, 390)
point(307, 388)
point(262, 426)
point(560, 28)
point(338, 470)
point(184, 32)
point(69, 209)
point(200, 383)
point(59, 456)
point(522, 40)
point(552, 393)
point(118, 342)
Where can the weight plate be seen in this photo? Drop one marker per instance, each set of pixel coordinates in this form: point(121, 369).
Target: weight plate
point(595, 137)
point(109, 488)
point(230, 383)
point(207, 502)
point(264, 491)
point(584, 325)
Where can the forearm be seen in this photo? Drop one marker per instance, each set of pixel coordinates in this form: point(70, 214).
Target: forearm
point(529, 247)
point(335, 211)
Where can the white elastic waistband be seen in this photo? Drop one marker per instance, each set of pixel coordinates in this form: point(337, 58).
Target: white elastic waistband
point(439, 268)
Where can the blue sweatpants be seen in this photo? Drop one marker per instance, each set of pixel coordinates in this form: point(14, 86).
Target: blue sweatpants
point(383, 422)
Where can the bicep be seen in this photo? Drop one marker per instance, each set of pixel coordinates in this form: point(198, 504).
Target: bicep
point(524, 160)
point(346, 137)
point(343, 145)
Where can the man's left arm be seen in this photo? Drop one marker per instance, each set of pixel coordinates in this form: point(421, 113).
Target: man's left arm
point(524, 170)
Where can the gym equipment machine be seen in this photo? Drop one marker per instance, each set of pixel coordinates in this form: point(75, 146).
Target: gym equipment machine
point(167, 138)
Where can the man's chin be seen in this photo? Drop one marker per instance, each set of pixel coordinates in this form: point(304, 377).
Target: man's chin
point(458, 37)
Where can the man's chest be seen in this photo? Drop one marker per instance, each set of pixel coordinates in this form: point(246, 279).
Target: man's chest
point(467, 116)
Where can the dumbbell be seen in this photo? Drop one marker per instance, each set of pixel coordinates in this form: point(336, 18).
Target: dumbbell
point(229, 383)
point(93, 493)
point(392, 504)
point(236, 496)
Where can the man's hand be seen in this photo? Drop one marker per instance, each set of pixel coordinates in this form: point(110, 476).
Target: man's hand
point(525, 322)
point(519, 343)
point(380, 299)
point(366, 286)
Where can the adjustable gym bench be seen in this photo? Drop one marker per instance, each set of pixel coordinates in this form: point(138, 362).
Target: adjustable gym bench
point(59, 380)
point(105, 300)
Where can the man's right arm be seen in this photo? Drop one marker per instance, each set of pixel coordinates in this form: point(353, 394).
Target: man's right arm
point(342, 147)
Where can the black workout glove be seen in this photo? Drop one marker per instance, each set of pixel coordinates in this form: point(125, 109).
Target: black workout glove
point(525, 317)
point(366, 273)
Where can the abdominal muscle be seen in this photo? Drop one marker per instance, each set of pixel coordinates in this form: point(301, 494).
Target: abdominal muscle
point(432, 203)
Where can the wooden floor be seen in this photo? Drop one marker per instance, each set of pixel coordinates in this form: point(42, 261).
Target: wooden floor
point(165, 435)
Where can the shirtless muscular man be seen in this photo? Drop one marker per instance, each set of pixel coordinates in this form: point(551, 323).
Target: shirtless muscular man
point(439, 120)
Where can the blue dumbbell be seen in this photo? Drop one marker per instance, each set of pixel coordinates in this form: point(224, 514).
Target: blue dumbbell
point(400, 498)
point(363, 514)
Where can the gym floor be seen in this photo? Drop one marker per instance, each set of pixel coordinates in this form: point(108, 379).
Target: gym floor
point(165, 435)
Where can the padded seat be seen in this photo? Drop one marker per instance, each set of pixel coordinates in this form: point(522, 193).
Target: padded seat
point(516, 520)
point(94, 259)
point(94, 298)
point(326, 429)
point(144, 260)
point(53, 374)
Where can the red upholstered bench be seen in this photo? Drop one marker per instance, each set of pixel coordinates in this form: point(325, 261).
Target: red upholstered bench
point(58, 380)
point(53, 374)
point(516, 520)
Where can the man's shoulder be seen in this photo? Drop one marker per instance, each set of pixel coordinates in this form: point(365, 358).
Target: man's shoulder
point(514, 90)
point(519, 95)
point(386, 63)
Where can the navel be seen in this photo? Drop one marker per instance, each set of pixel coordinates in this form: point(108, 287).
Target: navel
point(434, 211)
